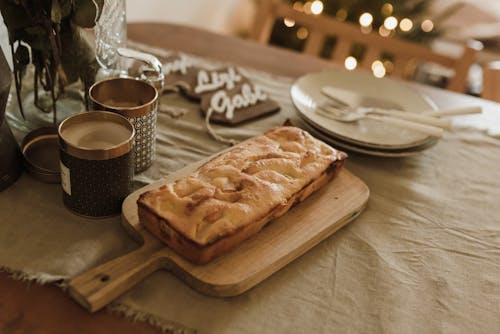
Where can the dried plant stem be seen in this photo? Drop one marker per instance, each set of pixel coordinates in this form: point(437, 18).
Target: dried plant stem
point(35, 86)
point(52, 94)
point(17, 80)
point(55, 48)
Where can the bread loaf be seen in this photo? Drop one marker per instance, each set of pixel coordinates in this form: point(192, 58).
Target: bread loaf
point(231, 197)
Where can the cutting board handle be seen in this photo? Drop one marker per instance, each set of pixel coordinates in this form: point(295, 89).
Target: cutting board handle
point(99, 286)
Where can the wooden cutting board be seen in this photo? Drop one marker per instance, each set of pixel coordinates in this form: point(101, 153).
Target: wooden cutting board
point(279, 243)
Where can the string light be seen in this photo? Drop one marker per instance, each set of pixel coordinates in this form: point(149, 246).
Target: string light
point(383, 31)
point(366, 30)
point(388, 65)
point(297, 5)
point(376, 64)
point(307, 7)
point(406, 24)
point(289, 22)
point(350, 63)
point(390, 23)
point(317, 7)
point(302, 33)
point(341, 14)
point(378, 69)
point(427, 25)
point(387, 9)
point(365, 19)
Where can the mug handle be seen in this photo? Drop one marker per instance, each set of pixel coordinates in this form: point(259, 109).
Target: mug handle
point(151, 61)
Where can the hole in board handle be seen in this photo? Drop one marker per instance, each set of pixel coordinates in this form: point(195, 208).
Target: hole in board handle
point(104, 278)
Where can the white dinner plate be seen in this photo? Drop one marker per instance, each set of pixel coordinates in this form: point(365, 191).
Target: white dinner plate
point(361, 89)
point(378, 152)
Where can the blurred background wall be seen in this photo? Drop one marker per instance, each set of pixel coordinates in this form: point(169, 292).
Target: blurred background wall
point(457, 20)
point(223, 16)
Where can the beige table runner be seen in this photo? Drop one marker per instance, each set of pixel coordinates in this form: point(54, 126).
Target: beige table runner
point(423, 258)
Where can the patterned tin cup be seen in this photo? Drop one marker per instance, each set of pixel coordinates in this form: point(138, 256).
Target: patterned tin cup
point(97, 162)
point(137, 101)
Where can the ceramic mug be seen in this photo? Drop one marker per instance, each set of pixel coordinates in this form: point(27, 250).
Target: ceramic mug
point(97, 162)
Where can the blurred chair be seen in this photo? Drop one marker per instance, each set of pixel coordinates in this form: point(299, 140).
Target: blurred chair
point(406, 55)
point(491, 81)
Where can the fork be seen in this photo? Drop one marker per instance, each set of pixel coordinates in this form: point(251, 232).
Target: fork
point(340, 115)
point(351, 114)
point(347, 113)
point(426, 117)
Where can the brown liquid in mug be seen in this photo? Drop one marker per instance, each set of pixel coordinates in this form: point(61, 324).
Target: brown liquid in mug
point(121, 104)
point(96, 134)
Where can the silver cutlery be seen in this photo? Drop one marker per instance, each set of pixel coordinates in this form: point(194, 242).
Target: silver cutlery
point(337, 102)
point(426, 121)
point(454, 111)
point(338, 115)
point(352, 114)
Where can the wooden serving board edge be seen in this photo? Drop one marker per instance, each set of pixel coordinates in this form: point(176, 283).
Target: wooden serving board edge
point(174, 263)
point(235, 289)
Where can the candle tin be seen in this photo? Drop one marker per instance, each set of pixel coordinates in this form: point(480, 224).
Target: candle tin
point(40, 150)
point(97, 162)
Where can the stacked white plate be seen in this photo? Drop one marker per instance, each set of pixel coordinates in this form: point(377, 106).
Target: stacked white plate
point(366, 136)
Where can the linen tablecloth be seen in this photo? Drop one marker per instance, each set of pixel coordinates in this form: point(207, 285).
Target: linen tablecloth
point(423, 258)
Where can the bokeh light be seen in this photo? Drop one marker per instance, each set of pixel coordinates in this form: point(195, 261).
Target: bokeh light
point(297, 5)
point(390, 23)
point(307, 7)
point(366, 30)
point(317, 7)
point(383, 31)
point(388, 65)
point(427, 25)
point(387, 9)
point(406, 24)
point(365, 19)
point(350, 63)
point(289, 22)
point(378, 69)
point(341, 14)
point(302, 33)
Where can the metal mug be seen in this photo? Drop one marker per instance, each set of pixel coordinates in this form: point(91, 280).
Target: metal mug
point(97, 162)
point(136, 100)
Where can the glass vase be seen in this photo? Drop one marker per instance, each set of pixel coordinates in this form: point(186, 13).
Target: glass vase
point(40, 114)
point(110, 34)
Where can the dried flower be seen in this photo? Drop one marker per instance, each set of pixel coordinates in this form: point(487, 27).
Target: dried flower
point(51, 30)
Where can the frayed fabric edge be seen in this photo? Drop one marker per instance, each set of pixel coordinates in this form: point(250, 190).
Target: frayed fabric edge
point(40, 278)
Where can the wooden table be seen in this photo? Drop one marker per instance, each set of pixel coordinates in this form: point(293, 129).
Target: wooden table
point(29, 308)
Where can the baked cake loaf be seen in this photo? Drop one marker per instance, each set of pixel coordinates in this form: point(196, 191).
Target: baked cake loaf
point(231, 197)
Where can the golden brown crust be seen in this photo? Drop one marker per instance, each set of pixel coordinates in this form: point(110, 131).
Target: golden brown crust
point(231, 197)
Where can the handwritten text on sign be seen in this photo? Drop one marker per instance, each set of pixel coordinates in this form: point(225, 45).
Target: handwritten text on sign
point(248, 96)
point(210, 81)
